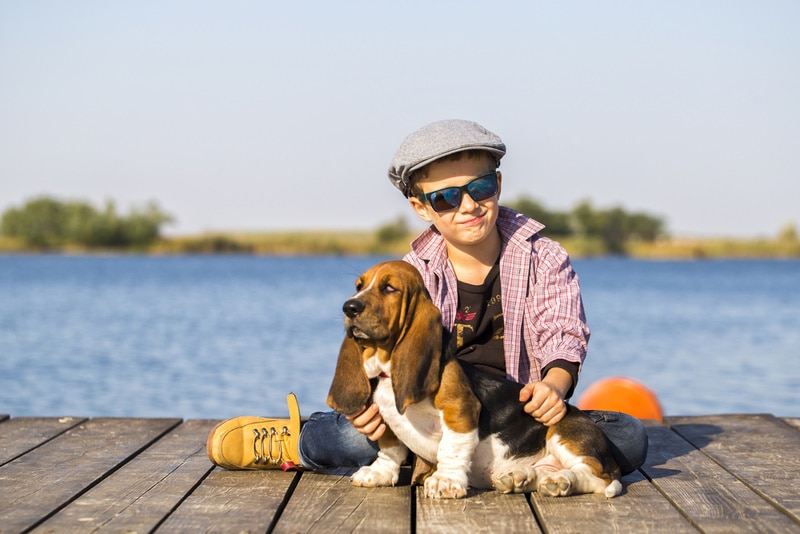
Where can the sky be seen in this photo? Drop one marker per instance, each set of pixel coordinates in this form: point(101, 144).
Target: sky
point(265, 116)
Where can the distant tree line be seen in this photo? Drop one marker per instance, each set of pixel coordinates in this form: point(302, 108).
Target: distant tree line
point(612, 227)
point(46, 223)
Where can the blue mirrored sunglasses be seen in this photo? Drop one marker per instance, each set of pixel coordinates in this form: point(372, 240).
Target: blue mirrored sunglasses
point(449, 198)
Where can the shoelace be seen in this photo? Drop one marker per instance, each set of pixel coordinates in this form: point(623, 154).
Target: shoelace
point(268, 447)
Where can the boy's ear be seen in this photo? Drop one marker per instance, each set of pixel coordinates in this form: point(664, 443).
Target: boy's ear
point(419, 207)
point(499, 184)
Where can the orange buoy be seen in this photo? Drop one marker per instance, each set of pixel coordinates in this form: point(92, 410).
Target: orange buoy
point(621, 394)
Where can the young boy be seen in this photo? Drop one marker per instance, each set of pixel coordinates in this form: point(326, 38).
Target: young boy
point(508, 295)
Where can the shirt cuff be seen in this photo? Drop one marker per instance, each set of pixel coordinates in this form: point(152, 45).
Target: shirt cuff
point(570, 367)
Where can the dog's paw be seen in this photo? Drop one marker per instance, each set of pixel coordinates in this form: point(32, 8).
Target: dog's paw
point(558, 484)
point(446, 486)
point(518, 481)
point(613, 489)
point(372, 476)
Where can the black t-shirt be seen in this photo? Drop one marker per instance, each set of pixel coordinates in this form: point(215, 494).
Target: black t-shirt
point(478, 325)
point(479, 329)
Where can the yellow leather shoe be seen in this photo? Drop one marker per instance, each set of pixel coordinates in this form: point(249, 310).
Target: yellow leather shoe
point(257, 442)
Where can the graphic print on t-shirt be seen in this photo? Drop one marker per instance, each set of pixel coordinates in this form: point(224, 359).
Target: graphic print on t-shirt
point(478, 324)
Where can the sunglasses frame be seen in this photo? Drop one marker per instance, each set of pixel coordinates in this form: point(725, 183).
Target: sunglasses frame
point(426, 197)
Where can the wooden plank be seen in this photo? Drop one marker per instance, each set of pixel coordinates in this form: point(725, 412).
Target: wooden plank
point(701, 489)
point(138, 496)
point(712, 473)
point(41, 482)
point(761, 450)
point(640, 508)
point(330, 503)
point(232, 501)
point(21, 435)
point(480, 511)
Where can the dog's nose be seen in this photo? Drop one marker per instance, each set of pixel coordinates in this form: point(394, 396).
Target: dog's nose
point(353, 307)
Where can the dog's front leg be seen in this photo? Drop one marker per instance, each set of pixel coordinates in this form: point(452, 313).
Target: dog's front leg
point(385, 470)
point(451, 479)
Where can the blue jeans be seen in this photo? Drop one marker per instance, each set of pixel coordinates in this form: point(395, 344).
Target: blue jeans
point(329, 440)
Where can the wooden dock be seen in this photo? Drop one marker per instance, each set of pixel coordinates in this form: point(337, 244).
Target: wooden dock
point(723, 473)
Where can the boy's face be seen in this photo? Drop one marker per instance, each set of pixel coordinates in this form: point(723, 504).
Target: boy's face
point(472, 222)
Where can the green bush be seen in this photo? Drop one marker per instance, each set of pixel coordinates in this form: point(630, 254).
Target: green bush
point(557, 224)
point(47, 223)
point(614, 227)
point(392, 232)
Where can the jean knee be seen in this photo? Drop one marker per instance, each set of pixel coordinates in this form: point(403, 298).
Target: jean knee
point(627, 435)
point(329, 440)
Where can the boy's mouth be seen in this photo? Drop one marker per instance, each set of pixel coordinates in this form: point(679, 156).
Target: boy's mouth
point(474, 220)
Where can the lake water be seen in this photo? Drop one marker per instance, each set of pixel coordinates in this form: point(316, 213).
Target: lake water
point(215, 337)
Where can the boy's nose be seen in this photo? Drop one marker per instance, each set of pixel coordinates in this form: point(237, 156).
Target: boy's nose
point(467, 202)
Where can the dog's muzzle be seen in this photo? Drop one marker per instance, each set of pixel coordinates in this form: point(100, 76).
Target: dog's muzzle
point(352, 308)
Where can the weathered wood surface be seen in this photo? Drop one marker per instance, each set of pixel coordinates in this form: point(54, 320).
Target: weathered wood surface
point(725, 473)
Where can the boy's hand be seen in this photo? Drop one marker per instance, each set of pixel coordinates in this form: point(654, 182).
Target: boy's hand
point(369, 422)
point(543, 402)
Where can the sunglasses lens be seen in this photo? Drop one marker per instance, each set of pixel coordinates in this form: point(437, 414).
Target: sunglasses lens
point(483, 187)
point(446, 199)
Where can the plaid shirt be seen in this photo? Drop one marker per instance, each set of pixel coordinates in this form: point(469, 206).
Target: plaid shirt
point(542, 307)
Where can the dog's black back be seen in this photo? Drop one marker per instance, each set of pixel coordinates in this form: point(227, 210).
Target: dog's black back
point(502, 414)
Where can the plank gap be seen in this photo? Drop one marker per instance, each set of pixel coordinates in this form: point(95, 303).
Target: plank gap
point(285, 502)
point(185, 496)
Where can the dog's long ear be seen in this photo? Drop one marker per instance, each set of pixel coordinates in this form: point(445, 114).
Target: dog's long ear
point(350, 389)
point(416, 359)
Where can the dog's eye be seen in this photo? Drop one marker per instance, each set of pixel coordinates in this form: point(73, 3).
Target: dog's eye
point(390, 289)
point(359, 285)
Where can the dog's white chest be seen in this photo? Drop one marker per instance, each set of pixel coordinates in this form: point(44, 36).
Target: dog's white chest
point(419, 428)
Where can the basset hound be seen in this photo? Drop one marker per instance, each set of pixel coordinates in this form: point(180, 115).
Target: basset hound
point(468, 425)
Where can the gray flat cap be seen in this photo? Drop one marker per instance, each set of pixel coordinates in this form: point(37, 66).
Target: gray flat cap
point(437, 140)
